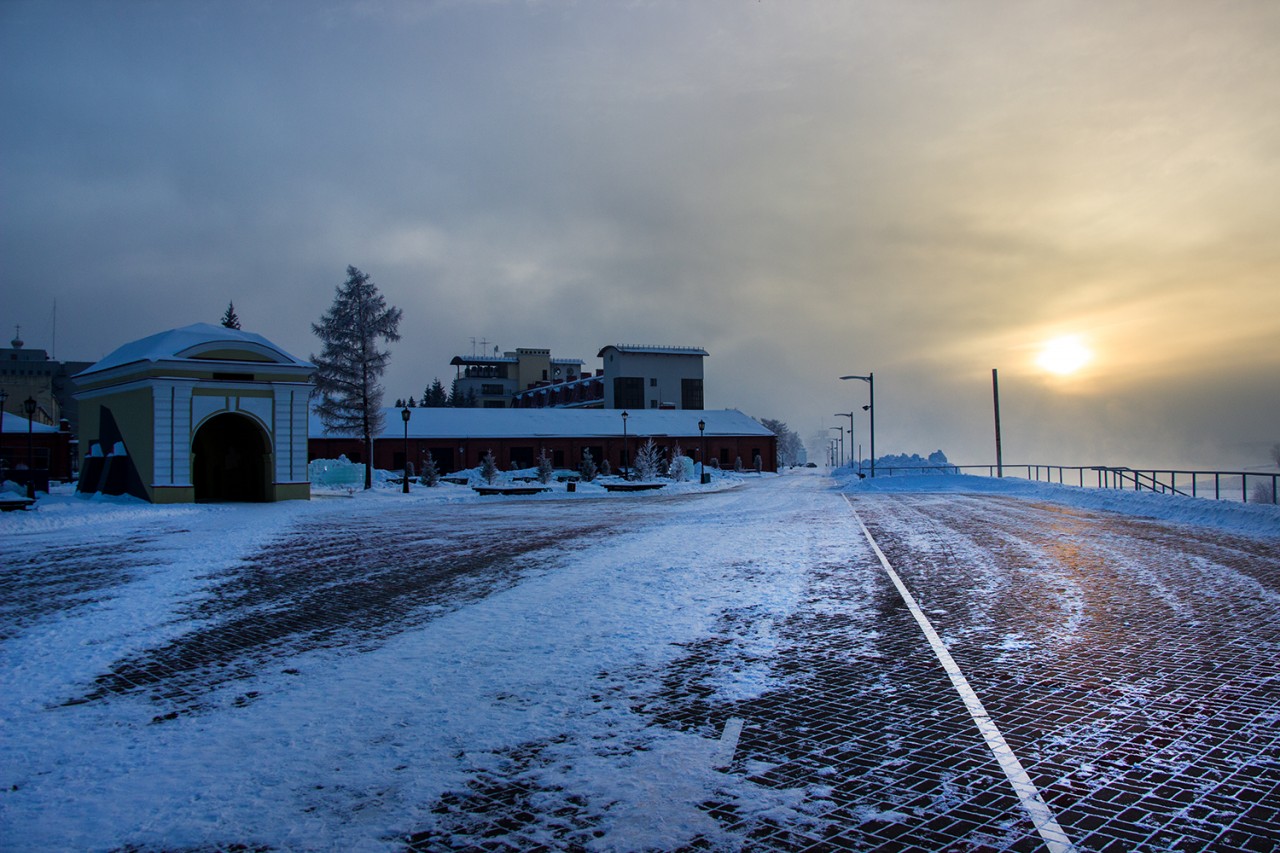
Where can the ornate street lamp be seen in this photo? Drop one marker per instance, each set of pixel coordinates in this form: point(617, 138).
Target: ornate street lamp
point(870, 379)
point(29, 406)
point(624, 445)
point(404, 415)
point(702, 456)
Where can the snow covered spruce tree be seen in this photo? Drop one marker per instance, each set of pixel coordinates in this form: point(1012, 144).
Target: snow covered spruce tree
point(430, 472)
point(587, 469)
point(648, 461)
point(350, 364)
point(489, 468)
point(546, 469)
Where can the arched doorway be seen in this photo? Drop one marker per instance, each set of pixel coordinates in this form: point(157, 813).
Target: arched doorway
point(230, 460)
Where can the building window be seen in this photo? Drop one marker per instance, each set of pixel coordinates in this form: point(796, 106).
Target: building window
point(691, 393)
point(653, 404)
point(628, 392)
point(491, 390)
point(653, 382)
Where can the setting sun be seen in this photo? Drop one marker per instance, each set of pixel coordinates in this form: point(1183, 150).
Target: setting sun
point(1064, 355)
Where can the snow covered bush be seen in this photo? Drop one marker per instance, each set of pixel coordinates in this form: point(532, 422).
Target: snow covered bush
point(605, 469)
point(648, 461)
point(676, 470)
point(545, 469)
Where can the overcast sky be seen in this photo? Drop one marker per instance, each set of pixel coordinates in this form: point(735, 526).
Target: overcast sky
point(925, 190)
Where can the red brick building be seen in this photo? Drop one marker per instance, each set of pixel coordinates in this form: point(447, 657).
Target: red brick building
point(459, 438)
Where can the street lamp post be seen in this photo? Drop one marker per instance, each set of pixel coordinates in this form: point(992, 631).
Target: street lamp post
point(848, 415)
point(4, 395)
point(404, 415)
point(624, 445)
point(839, 440)
point(29, 406)
point(870, 379)
point(702, 454)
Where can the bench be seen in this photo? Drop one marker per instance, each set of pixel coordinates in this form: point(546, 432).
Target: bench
point(11, 504)
point(509, 490)
point(632, 487)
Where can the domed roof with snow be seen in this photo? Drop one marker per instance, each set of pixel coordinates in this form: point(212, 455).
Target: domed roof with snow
point(198, 343)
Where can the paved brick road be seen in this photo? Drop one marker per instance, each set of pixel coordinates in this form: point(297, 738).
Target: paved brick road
point(1132, 666)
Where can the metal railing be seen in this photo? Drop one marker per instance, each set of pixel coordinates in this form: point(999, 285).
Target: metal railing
point(1224, 485)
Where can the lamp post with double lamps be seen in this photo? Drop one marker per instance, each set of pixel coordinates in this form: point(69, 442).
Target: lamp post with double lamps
point(404, 415)
point(870, 379)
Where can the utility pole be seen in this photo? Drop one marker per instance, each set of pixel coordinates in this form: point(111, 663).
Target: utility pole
point(995, 397)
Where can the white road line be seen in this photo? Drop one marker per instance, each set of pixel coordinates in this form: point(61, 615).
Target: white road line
point(1028, 795)
point(728, 744)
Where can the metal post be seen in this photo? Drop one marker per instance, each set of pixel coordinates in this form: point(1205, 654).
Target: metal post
point(702, 463)
point(870, 379)
point(995, 398)
point(29, 406)
point(404, 415)
point(625, 469)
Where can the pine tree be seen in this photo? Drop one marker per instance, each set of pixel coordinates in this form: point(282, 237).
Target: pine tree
point(229, 319)
point(434, 396)
point(350, 364)
point(648, 460)
point(545, 467)
point(489, 468)
point(587, 469)
point(430, 472)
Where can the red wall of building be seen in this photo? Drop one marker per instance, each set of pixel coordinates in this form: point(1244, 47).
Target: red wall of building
point(456, 455)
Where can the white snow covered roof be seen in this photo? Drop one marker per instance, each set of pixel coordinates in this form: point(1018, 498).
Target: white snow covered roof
point(193, 343)
point(558, 423)
point(653, 350)
point(17, 423)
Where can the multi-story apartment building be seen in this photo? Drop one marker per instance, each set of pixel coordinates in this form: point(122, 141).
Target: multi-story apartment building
point(495, 380)
point(652, 377)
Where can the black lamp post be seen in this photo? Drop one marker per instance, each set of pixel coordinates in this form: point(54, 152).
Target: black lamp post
point(870, 379)
point(702, 460)
point(404, 415)
point(29, 406)
point(4, 395)
point(624, 446)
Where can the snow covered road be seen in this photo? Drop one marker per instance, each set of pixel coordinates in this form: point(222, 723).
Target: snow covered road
point(661, 671)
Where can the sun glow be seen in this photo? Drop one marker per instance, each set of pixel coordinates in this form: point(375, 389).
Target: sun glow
point(1064, 355)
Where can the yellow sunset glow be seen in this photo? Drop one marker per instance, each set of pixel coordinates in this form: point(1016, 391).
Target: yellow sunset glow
point(1064, 355)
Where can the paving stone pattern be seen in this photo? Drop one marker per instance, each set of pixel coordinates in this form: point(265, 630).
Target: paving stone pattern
point(347, 587)
point(1132, 666)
